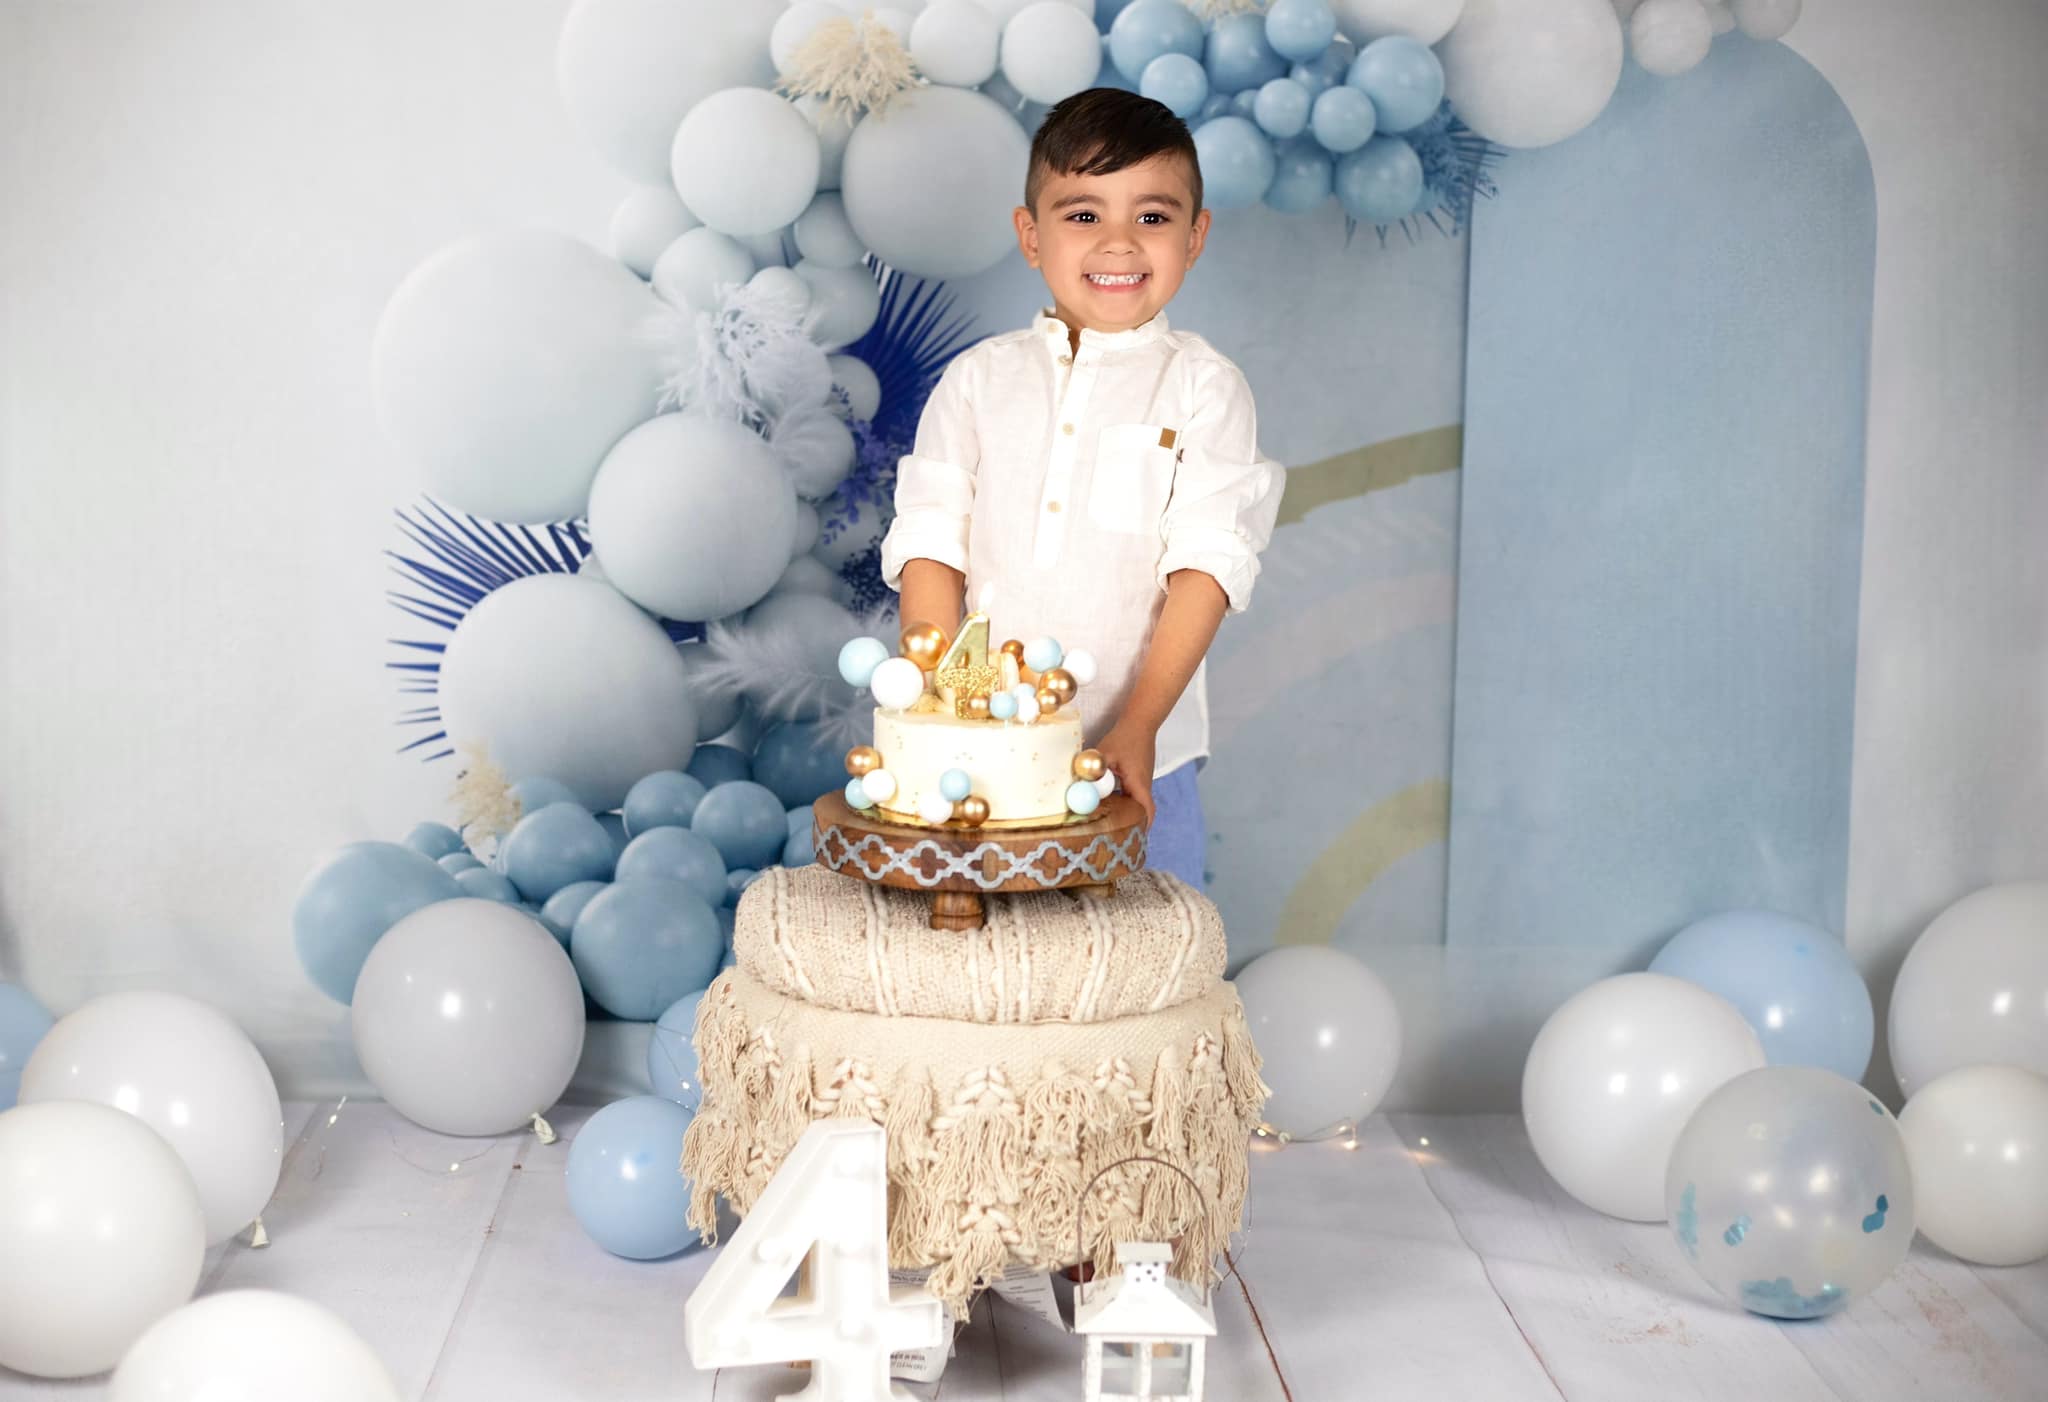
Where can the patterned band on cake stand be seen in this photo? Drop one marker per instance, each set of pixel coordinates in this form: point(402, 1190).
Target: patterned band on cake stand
point(959, 865)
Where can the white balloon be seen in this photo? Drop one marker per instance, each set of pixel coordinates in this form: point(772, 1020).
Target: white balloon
point(561, 676)
point(1051, 51)
point(788, 295)
point(936, 228)
point(880, 783)
point(1668, 37)
point(646, 222)
point(806, 575)
point(896, 684)
point(768, 250)
point(1719, 16)
point(834, 130)
point(1362, 21)
point(863, 388)
point(1766, 19)
point(1977, 1139)
point(1328, 1032)
point(630, 69)
point(745, 161)
point(816, 449)
point(794, 28)
point(1530, 73)
point(1106, 785)
point(1974, 988)
point(468, 1017)
point(808, 525)
point(825, 236)
point(954, 42)
point(690, 514)
point(1613, 1076)
point(847, 301)
point(698, 269)
point(187, 1072)
point(1624, 9)
point(247, 1345)
point(505, 366)
point(101, 1235)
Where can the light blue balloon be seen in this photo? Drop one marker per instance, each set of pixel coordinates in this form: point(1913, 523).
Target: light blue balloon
point(556, 847)
point(1106, 12)
point(727, 919)
point(1326, 70)
point(351, 899)
point(1381, 181)
point(676, 854)
point(800, 819)
point(859, 658)
point(1281, 109)
point(1794, 982)
point(1245, 104)
point(455, 863)
point(1145, 29)
point(1238, 56)
point(23, 1021)
point(955, 784)
point(622, 1180)
point(1043, 654)
point(745, 821)
point(435, 840)
point(672, 1069)
point(713, 765)
point(1002, 705)
point(1236, 160)
point(488, 885)
point(1403, 78)
point(1217, 105)
point(730, 961)
point(536, 793)
point(737, 881)
point(643, 942)
point(1083, 797)
point(1303, 180)
point(1178, 81)
point(561, 909)
point(800, 760)
point(614, 826)
point(857, 795)
point(1300, 30)
point(800, 850)
point(1342, 120)
point(667, 799)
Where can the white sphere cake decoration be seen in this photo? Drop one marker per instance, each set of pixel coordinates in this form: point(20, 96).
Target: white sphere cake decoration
point(896, 684)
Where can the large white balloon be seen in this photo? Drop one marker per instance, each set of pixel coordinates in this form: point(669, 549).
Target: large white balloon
point(630, 69)
point(954, 42)
point(560, 676)
point(1766, 19)
point(1051, 51)
point(936, 228)
point(100, 1235)
point(863, 387)
point(817, 449)
point(1362, 21)
point(1531, 72)
point(1328, 1032)
point(698, 269)
point(1613, 1077)
point(1974, 987)
point(187, 1072)
point(846, 300)
point(251, 1346)
point(1977, 1139)
point(834, 129)
point(1670, 36)
point(745, 161)
point(692, 515)
point(794, 28)
point(468, 1017)
point(825, 236)
point(646, 222)
point(504, 367)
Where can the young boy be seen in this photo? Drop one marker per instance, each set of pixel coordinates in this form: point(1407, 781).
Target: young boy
point(1097, 477)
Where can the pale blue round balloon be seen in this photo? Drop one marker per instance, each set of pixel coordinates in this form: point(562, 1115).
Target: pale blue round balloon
point(351, 899)
point(1237, 162)
point(1326, 70)
point(1044, 654)
point(1403, 78)
point(955, 785)
point(23, 1021)
point(643, 942)
point(1145, 29)
point(556, 847)
point(1238, 56)
point(800, 819)
point(1300, 30)
point(745, 821)
point(1002, 705)
point(536, 793)
point(1178, 81)
point(1083, 797)
point(859, 658)
point(614, 825)
point(455, 863)
point(1106, 12)
point(1381, 181)
point(560, 910)
point(622, 1180)
point(713, 765)
point(676, 854)
point(667, 799)
point(857, 795)
point(488, 885)
point(1794, 982)
point(435, 840)
point(799, 851)
point(1342, 120)
point(1217, 105)
point(1281, 109)
point(1302, 181)
point(799, 760)
point(1245, 104)
point(737, 880)
point(672, 1054)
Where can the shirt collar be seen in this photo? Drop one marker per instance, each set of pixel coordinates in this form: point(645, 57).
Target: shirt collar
point(1055, 330)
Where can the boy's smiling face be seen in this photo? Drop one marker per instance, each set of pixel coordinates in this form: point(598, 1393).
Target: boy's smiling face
point(1113, 248)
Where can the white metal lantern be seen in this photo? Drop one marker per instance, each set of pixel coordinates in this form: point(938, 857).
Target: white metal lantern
point(1146, 1331)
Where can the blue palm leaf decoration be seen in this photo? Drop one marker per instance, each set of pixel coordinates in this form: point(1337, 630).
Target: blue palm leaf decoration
point(1457, 165)
point(449, 563)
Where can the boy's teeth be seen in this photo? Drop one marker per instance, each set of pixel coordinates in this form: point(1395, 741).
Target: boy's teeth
point(1116, 279)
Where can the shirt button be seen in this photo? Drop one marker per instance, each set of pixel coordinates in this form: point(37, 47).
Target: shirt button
point(1052, 506)
point(1066, 360)
point(1066, 428)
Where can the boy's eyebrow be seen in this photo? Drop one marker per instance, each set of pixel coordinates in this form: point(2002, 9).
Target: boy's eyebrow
point(1085, 197)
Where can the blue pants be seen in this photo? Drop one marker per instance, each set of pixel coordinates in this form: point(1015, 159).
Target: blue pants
point(1179, 838)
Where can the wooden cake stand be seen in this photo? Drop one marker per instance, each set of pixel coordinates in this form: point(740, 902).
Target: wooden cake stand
point(959, 865)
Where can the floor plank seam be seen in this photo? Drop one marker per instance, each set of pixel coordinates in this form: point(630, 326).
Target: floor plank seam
point(514, 1174)
point(1273, 1357)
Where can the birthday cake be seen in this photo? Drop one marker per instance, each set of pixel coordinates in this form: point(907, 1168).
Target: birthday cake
point(972, 737)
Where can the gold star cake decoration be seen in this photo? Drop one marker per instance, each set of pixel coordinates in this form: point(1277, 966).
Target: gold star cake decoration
point(965, 672)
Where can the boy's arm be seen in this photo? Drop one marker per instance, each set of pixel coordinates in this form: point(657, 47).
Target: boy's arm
point(924, 555)
point(1195, 605)
point(933, 593)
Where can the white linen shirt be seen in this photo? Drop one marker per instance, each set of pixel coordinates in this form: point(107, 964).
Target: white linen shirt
point(1067, 487)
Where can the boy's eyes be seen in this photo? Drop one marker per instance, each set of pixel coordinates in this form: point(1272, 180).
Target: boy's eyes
point(1152, 217)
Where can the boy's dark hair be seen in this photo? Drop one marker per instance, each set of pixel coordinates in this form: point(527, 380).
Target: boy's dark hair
point(1104, 130)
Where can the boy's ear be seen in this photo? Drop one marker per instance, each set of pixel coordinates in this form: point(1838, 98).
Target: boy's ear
point(1027, 234)
point(1198, 236)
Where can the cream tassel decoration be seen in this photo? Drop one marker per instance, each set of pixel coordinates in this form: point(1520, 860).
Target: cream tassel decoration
point(853, 65)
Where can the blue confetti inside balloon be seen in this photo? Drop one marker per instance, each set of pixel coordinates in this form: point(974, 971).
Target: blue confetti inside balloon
point(667, 799)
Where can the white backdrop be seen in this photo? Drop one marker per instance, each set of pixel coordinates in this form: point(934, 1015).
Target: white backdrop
point(204, 204)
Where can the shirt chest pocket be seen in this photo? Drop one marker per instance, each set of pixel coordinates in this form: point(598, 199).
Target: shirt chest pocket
point(1133, 478)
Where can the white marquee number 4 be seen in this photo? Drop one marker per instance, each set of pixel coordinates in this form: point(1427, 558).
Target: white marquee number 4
point(826, 1208)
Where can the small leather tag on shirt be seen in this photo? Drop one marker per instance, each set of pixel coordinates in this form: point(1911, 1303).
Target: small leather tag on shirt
point(1167, 437)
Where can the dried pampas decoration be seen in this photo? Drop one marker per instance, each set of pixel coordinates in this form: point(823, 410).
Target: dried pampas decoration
point(852, 66)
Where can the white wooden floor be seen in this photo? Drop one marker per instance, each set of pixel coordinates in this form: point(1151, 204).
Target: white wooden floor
point(1435, 1261)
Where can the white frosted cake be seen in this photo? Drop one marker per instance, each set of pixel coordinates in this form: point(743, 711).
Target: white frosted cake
point(1023, 771)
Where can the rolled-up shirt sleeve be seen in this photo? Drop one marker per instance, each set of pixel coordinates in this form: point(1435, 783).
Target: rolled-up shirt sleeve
point(935, 481)
point(1226, 495)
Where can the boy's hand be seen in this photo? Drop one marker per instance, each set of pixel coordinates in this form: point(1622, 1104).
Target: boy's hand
point(1128, 750)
